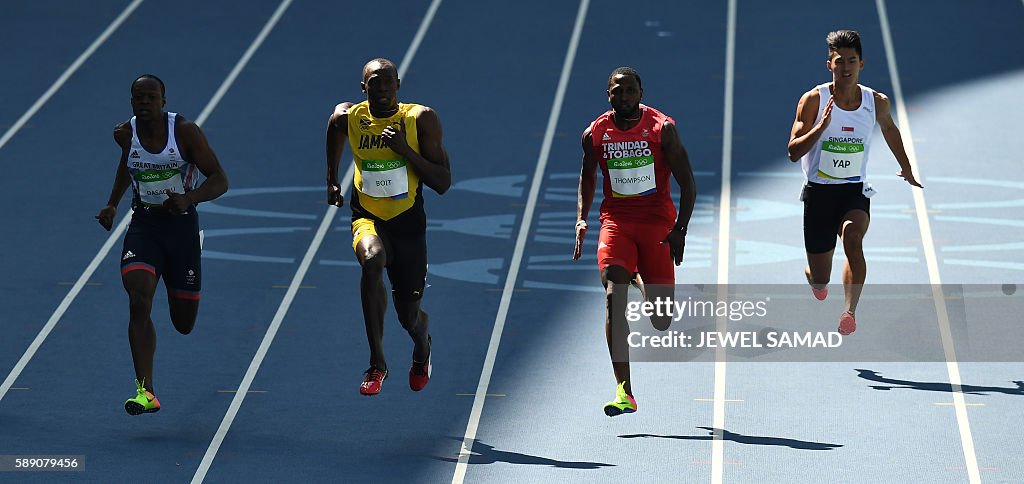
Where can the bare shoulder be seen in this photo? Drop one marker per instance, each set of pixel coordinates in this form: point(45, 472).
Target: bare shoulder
point(586, 134)
point(807, 108)
point(123, 134)
point(341, 111)
point(812, 97)
point(881, 99)
point(427, 120)
point(670, 135)
point(428, 114)
point(186, 129)
point(343, 108)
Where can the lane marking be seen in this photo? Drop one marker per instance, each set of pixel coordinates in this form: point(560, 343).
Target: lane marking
point(300, 273)
point(84, 56)
point(73, 293)
point(724, 215)
point(517, 256)
point(924, 225)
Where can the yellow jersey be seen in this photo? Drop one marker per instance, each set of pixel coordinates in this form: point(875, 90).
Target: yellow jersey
point(385, 184)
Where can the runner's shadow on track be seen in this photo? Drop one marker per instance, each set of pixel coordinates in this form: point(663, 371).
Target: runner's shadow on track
point(487, 454)
point(743, 439)
point(935, 386)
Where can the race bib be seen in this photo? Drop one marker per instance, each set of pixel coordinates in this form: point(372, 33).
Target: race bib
point(841, 161)
point(632, 177)
point(153, 185)
point(385, 179)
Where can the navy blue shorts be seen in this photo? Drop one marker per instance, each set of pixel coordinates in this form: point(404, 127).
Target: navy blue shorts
point(165, 245)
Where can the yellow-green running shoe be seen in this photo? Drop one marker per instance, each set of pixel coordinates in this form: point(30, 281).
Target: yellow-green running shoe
point(623, 403)
point(144, 402)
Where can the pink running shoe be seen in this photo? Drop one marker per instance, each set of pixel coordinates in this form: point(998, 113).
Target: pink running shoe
point(847, 324)
point(820, 294)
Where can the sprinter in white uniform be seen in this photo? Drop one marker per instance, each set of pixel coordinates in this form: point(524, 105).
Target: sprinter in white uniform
point(831, 138)
point(162, 155)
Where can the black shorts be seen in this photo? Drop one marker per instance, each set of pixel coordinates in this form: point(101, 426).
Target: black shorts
point(406, 252)
point(824, 208)
point(165, 245)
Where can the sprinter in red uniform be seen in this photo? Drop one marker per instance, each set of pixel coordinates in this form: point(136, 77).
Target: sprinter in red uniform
point(638, 149)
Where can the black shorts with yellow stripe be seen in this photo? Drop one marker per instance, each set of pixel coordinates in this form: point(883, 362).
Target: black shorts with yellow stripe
point(405, 246)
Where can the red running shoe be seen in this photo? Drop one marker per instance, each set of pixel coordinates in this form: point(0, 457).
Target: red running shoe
point(373, 381)
point(847, 325)
point(419, 374)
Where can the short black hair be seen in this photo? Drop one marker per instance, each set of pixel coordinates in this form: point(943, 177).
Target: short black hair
point(163, 91)
point(384, 64)
point(625, 71)
point(843, 38)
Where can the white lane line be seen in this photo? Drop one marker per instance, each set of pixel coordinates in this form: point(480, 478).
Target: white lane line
point(724, 222)
point(300, 273)
point(84, 56)
point(517, 256)
point(928, 243)
point(268, 339)
point(77, 287)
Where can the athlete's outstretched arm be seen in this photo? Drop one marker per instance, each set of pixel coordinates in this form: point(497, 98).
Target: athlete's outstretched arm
point(337, 134)
point(431, 163)
point(122, 179)
point(196, 149)
point(682, 171)
point(891, 133)
point(805, 132)
point(585, 195)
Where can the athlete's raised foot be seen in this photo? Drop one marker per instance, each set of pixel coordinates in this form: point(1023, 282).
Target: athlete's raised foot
point(144, 401)
point(847, 324)
point(623, 403)
point(373, 381)
point(419, 373)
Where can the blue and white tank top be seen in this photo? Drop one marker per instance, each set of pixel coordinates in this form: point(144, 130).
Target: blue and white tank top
point(155, 173)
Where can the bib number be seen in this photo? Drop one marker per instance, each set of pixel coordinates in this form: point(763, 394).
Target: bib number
point(841, 161)
point(385, 179)
point(153, 185)
point(632, 177)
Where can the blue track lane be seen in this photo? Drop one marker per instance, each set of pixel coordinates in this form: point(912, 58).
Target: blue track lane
point(491, 71)
point(552, 368)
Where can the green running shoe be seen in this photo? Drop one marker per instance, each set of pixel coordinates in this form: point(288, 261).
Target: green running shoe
point(144, 402)
point(623, 403)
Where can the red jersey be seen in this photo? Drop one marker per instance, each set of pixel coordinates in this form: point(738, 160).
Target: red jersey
point(637, 179)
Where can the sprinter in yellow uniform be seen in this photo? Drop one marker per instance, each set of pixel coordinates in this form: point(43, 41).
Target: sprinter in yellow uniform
point(396, 149)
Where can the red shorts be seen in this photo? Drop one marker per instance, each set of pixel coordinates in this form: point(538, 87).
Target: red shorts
point(638, 247)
